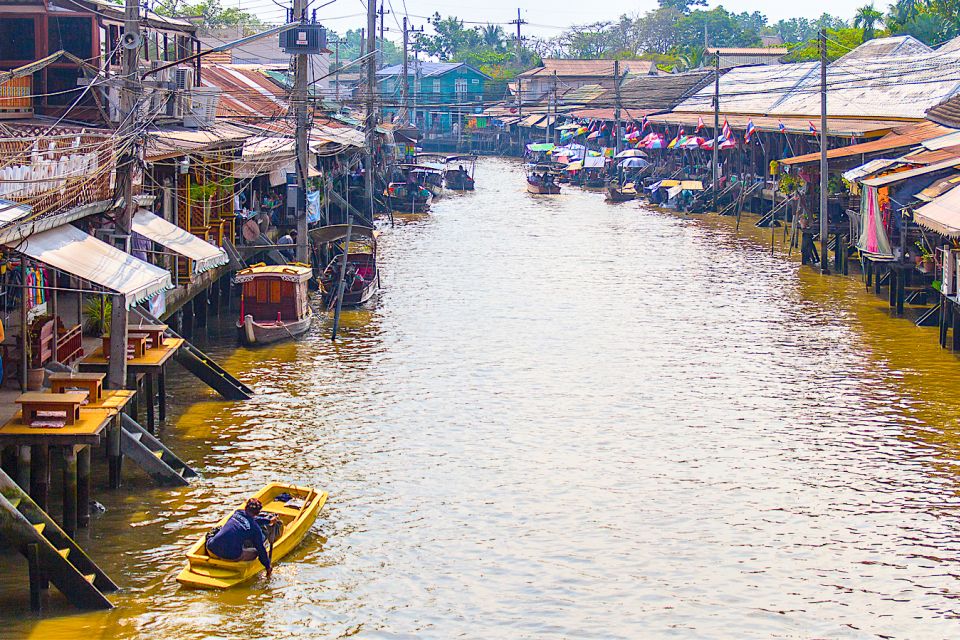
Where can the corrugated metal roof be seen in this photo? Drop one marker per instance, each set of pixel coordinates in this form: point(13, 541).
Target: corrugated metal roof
point(426, 69)
point(900, 138)
point(580, 68)
point(932, 157)
point(841, 127)
point(888, 86)
point(891, 46)
point(245, 91)
point(900, 176)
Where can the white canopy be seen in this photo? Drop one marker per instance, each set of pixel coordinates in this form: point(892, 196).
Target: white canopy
point(68, 249)
point(941, 215)
point(205, 256)
point(593, 162)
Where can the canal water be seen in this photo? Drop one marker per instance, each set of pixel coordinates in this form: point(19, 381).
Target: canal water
point(565, 419)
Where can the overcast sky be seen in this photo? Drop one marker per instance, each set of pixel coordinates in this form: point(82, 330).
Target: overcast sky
point(546, 17)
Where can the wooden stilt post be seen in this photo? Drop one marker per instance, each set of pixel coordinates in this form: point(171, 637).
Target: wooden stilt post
point(37, 581)
point(23, 467)
point(149, 398)
point(40, 475)
point(955, 328)
point(83, 487)
point(944, 313)
point(70, 491)
point(114, 457)
point(162, 393)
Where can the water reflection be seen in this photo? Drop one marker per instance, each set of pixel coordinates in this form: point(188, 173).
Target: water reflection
point(567, 419)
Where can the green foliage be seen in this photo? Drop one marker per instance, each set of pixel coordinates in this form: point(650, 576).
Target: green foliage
point(867, 18)
point(95, 319)
point(839, 42)
point(211, 14)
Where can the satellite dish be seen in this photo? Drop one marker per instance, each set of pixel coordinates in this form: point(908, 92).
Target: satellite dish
point(130, 40)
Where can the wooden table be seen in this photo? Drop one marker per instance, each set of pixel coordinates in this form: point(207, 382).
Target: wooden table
point(74, 441)
point(137, 342)
point(155, 333)
point(92, 382)
point(33, 403)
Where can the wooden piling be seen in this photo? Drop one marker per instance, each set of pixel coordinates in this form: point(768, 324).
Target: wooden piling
point(149, 398)
point(23, 466)
point(955, 322)
point(114, 456)
point(40, 474)
point(945, 306)
point(83, 487)
point(70, 490)
point(37, 581)
point(162, 393)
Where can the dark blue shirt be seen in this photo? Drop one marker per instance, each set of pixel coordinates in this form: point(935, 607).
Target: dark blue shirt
point(240, 531)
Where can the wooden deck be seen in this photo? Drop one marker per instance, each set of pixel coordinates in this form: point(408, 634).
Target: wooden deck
point(85, 431)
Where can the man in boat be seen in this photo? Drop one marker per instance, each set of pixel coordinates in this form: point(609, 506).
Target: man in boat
point(243, 537)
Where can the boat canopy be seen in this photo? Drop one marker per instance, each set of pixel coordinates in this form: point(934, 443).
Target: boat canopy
point(541, 146)
point(423, 166)
point(335, 232)
point(467, 158)
point(288, 272)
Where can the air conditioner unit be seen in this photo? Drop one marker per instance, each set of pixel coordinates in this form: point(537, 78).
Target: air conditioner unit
point(183, 78)
point(200, 107)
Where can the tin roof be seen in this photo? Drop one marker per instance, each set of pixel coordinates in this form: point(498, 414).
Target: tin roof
point(570, 68)
point(900, 138)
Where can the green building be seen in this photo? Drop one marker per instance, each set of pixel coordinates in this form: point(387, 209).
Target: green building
point(440, 93)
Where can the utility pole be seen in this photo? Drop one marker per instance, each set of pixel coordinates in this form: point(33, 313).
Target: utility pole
point(519, 21)
point(381, 13)
point(519, 115)
point(404, 88)
point(301, 63)
point(549, 135)
point(129, 98)
point(824, 214)
point(370, 124)
point(336, 65)
point(616, 110)
point(716, 124)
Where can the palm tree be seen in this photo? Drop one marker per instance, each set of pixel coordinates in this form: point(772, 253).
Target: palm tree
point(492, 35)
point(867, 18)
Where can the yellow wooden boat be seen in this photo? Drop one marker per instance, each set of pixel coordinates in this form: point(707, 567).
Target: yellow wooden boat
point(208, 572)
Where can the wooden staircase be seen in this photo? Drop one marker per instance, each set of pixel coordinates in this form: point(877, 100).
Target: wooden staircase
point(52, 555)
point(201, 365)
point(162, 464)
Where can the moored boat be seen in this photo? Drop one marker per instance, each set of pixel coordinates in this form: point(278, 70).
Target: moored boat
point(403, 197)
point(460, 178)
point(617, 193)
point(296, 508)
point(273, 302)
point(361, 278)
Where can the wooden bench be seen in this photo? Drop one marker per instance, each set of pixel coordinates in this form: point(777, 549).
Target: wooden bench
point(135, 342)
point(35, 403)
point(91, 382)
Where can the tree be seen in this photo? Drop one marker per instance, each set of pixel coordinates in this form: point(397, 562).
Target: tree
point(683, 6)
point(656, 30)
point(493, 36)
point(867, 19)
point(724, 29)
point(450, 38)
point(211, 14)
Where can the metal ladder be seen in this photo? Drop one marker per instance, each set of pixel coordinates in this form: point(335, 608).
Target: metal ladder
point(162, 464)
point(51, 553)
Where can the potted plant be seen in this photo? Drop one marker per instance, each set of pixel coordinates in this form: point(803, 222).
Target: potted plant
point(96, 315)
point(924, 259)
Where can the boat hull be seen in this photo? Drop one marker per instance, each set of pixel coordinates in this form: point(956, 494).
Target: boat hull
point(204, 571)
point(354, 298)
point(552, 189)
point(615, 195)
point(254, 333)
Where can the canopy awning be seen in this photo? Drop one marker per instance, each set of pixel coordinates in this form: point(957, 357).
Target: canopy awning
point(592, 162)
point(205, 256)
point(70, 250)
point(942, 215)
point(864, 170)
point(11, 212)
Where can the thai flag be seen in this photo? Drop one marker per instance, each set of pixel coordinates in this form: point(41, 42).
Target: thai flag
point(725, 133)
point(813, 129)
point(644, 124)
point(781, 126)
point(700, 124)
point(750, 130)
